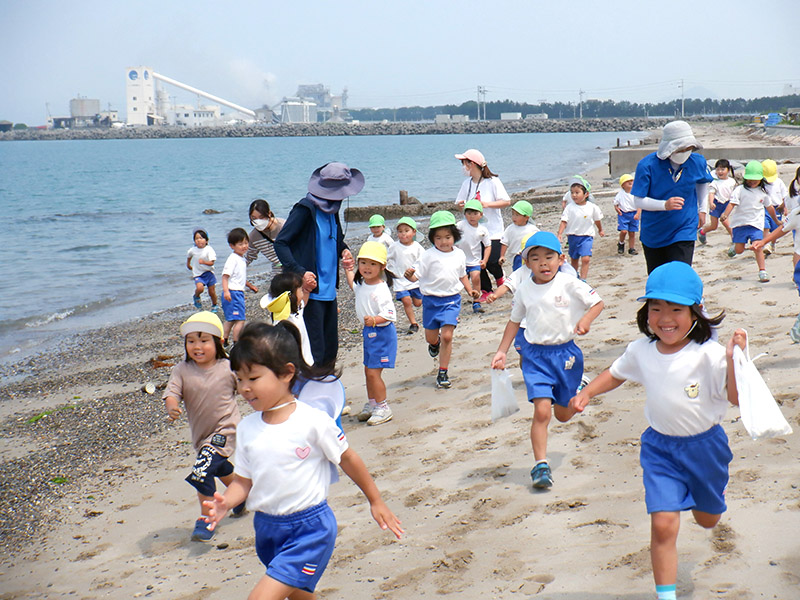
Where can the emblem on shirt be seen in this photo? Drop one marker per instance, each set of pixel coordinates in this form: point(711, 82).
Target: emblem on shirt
point(692, 390)
point(302, 452)
point(569, 363)
point(561, 301)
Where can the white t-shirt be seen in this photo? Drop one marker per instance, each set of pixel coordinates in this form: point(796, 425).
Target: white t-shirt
point(288, 463)
point(471, 240)
point(749, 206)
point(553, 309)
point(440, 273)
point(777, 191)
point(487, 190)
point(513, 236)
point(399, 258)
point(196, 254)
point(792, 221)
point(722, 188)
point(384, 239)
point(236, 268)
point(625, 201)
point(374, 301)
point(686, 392)
point(580, 218)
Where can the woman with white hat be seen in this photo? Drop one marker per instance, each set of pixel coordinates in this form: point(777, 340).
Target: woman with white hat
point(671, 189)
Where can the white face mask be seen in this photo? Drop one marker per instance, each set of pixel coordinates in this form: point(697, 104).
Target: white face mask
point(680, 157)
point(466, 171)
point(261, 224)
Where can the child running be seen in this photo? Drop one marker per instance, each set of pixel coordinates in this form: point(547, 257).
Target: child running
point(286, 300)
point(689, 382)
point(375, 310)
point(556, 308)
point(475, 244)
point(377, 225)
point(794, 193)
point(627, 215)
point(442, 273)
point(520, 229)
point(402, 255)
point(578, 221)
point(205, 384)
point(234, 280)
point(746, 212)
point(778, 195)
point(200, 261)
point(285, 449)
point(719, 195)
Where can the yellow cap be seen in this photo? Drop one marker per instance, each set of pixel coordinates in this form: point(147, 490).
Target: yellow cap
point(202, 322)
point(280, 307)
point(625, 178)
point(770, 170)
point(373, 251)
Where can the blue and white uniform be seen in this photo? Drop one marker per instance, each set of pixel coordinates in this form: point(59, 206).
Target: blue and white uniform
point(380, 341)
point(439, 275)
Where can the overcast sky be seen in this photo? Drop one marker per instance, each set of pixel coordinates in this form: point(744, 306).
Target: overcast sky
point(410, 52)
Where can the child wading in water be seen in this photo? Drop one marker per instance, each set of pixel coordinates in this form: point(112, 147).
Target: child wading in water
point(375, 310)
point(207, 387)
point(556, 307)
point(285, 450)
point(719, 194)
point(200, 261)
point(402, 255)
point(689, 382)
point(442, 273)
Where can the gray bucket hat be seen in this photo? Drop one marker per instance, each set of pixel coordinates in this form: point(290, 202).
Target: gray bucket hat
point(674, 136)
point(335, 181)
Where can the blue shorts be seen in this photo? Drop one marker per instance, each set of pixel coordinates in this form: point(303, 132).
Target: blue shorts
point(746, 233)
point(517, 262)
point(580, 245)
point(626, 222)
point(473, 268)
point(685, 472)
point(719, 208)
point(519, 339)
point(380, 346)
point(207, 279)
point(440, 310)
point(234, 310)
point(296, 548)
point(796, 276)
point(208, 465)
point(769, 222)
point(413, 292)
point(551, 371)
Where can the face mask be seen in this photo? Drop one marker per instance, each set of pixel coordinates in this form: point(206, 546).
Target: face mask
point(680, 157)
point(466, 170)
point(261, 224)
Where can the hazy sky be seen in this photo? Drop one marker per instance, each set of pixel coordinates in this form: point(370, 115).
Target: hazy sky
point(410, 52)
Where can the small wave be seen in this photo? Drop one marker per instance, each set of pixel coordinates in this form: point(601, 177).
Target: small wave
point(50, 318)
point(87, 247)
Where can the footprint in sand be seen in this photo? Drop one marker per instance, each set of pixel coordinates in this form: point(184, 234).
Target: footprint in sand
point(723, 539)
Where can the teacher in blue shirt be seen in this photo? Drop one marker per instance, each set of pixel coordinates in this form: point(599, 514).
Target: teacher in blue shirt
point(671, 188)
point(311, 243)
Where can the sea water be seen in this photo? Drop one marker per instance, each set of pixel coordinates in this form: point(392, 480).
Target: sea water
point(96, 232)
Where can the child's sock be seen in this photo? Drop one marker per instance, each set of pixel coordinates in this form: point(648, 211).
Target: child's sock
point(381, 404)
point(539, 462)
point(372, 403)
point(666, 592)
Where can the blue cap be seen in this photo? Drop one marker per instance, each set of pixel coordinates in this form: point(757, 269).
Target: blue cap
point(545, 239)
point(674, 282)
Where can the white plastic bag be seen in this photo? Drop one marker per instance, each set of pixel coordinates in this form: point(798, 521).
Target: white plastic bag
point(761, 415)
point(504, 403)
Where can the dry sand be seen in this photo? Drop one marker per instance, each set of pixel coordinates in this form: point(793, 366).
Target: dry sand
point(460, 484)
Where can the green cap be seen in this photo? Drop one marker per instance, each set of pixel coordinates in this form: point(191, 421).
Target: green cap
point(408, 221)
point(754, 171)
point(524, 208)
point(473, 204)
point(442, 218)
point(376, 221)
point(577, 179)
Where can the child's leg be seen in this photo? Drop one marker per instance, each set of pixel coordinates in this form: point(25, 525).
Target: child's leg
point(795, 258)
point(563, 413)
point(272, 589)
point(711, 226)
point(631, 240)
point(226, 329)
point(237, 329)
point(575, 262)
point(738, 247)
point(727, 227)
point(198, 288)
point(475, 280)
point(704, 519)
point(212, 292)
point(407, 307)
point(621, 237)
point(585, 266)
point(760, 260)
point(541, 419)
point(376, 388)
point(417, 302)
point(201, 498)
point(447, 345)
point(432, 336)
point(664, 527)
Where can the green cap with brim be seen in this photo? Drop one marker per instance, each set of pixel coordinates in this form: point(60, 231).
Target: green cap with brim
point(408, 221)
point(376, 221)
point(442, 218)
point(524, 208)
point(474, 205)
point(754, 171)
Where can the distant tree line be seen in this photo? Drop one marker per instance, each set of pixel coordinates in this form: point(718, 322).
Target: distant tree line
point(590, 109)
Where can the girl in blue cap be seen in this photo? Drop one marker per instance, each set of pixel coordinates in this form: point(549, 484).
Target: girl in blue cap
point(689, 381)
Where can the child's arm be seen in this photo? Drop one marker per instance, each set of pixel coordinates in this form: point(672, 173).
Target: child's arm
point(502, 260)
point(510, 332)
point(189, 262)
point(355, 469)
point(226, 293)
point(711, 204)
point(561, 227)
point(208, 263)
point(468, 286)
point(487, 251)
point(498, 293)
point(409, 274)
point(772, 213)
point(350, 275)
point(605, 382)
point(235, 494)
point(739, 338)
point(173, 407)
point(582, 328)
point(618, 209)
point(599, 226)
point(724, 216)
point(769, 238)
point(251, 287)
point(638, 215)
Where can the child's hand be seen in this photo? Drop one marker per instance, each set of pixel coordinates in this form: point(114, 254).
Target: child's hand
point(174, 413)
point(475, 294)
point(499, 360)
point(582, 328)
point(217, 509)
point(409, 273)
point(385, 518)
point(483, 263)
point(757, 245)
point(501, 261)
point(227, 296)
point(602, 233)
point(491, 298)
point(580, 401)
point(739, 338)
point(189, 267)
point(251, 287)
point(347, 260)
point(619, 210)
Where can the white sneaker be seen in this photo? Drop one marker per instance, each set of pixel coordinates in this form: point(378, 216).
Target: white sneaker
point(366, 412)
point(762, 276)
point(380, 414)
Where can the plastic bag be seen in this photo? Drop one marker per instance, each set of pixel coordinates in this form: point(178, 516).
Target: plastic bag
point(504, 403)
point(761, 415)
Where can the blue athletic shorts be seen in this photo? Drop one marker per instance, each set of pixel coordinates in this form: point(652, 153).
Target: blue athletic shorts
point(208, 465)
point(769, 222)
point(234, 310)
point(296, 548)
point(796, 276)
point(473, 268)
point(719, 208)
point(746, 233)
point(380, 346)
point(681, 473)
point(551, 371)
point(440, 310)
point(517, 262)
point(207, 279)
point(626, 222)
point(580, 245)
point(519, 339)
point(413, 292)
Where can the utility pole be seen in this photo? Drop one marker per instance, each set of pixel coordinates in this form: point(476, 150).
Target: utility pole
point(479, 102)
point(481, 95)
point(580, 103)
point(682, 113)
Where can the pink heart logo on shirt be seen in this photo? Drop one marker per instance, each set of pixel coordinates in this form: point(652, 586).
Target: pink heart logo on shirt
point(302, 452)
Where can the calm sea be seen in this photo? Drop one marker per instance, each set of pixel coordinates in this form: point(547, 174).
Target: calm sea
point(95, 232)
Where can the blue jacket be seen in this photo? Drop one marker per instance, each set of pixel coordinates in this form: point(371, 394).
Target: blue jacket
point(296, 244)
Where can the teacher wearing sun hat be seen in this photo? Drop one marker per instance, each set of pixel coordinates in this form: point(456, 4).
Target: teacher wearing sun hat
point(311, 243)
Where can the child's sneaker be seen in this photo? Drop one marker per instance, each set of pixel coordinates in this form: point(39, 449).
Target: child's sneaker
point(542, 477)
point(794, 332)
point(762, 276)
point(433, 349)
point(584, 382)
point(732, 251)
point(366, 412)
point(484, 296)
point(442, 380)
point(201, 531)
point(701, 237)
point(620, 248)
point(380, 414)
point(215, 309)
point(632, 251)
point(197, 303)
point(477, 308)
point(412, 329)
point(239, 511)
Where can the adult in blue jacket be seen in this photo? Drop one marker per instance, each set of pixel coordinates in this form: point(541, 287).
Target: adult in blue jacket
point(311, 243)
point(671, 188)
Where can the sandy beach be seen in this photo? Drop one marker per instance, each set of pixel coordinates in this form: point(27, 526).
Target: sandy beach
point(94, 504)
